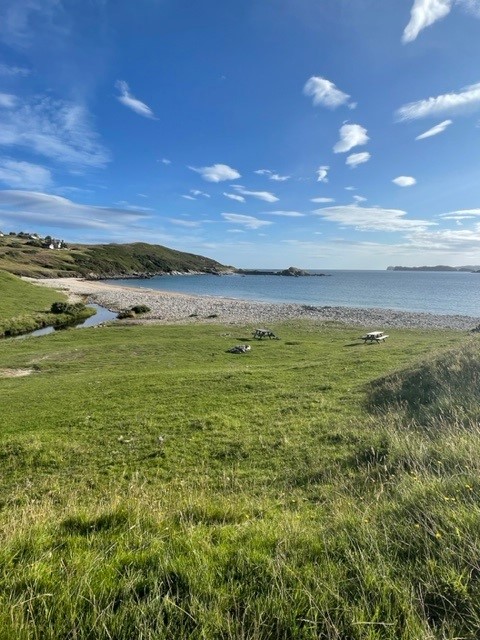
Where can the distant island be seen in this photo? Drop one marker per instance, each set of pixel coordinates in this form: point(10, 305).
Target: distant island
point(291, 271)
point(438, 267)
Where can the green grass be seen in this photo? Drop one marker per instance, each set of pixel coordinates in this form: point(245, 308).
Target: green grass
point(25, 257)
point(25, 307)
point(156, 486)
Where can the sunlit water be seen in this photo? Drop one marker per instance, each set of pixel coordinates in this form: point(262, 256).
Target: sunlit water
point(433, 292)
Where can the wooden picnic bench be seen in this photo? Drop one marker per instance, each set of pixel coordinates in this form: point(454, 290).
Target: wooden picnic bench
point(374, 336)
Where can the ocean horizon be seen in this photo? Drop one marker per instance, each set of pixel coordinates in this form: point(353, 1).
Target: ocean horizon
point(438, 292)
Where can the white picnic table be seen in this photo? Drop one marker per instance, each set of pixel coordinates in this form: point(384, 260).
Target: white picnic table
point(374, 336)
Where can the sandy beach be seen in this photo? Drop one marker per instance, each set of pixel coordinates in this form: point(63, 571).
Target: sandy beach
point(169, 308)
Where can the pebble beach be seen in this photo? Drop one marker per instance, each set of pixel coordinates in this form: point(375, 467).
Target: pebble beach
point(171, 308)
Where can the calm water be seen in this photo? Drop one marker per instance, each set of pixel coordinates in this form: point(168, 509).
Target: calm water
point(434, 292)
point(102, 315)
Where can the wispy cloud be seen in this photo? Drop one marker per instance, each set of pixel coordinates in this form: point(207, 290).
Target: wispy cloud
point(166, 161)
point(24, 175)
point(423, 14)
point(250, 222)
point(234, 196)
point(322, 200)
point(461, 214)
point(434, 131)
point(128, 100)
point(325, 93)
point(357, 158)
point(184, 223)
point(55, 129)
point(322, 173)
point(217, 173)
point(7, 100)
point(404, 181)
point(196, 192)
point(272, 175)
point(266, 196)
point(372, 218)
point(351, 135)
point(187, 197)
point(359, 199)
point(6, 70)
point(466, 99)
point(284, 214)
point(55, 211)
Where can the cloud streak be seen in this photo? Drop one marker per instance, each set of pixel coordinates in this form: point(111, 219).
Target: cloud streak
point(325, 93)
point(266, 196)
point(55, 211)
point(372, 218)
point(129, 101)
point(250, 222)
point(357, 158)
point(24, 175)
point(466, 99)
point(434, 131)
point(217, 173)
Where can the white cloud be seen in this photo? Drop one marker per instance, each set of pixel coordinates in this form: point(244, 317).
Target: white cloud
point(434, 131)
point(183, 223)
point(266, 196)
point(325, 93)
point(350, 188)
point(285, 214)
point(423, 14)
point(359, 199)
point(322, 173)
point(467, 99)
point(234, 196)
point(166, 161)
point(128, 100)
point(7, 100)
point(322, 200)
point(55, 129)
point(272, 175)
point(461, 214)
point(55, 211)
point(249, 222)
point(24, 175)
point(217, 173)
point(196, 192)
point(357, 158)
point(351, 135)
point(189, 197)
point(6, 70)
point(372, 218)
point(404, 181)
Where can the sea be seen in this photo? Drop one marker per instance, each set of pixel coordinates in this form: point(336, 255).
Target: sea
point(444, 293)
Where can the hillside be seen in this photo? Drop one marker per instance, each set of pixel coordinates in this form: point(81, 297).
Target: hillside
point(24, 256)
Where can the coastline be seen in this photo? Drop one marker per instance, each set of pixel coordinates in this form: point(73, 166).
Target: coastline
point(177, 308)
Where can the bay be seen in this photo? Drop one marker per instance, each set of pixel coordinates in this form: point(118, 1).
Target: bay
point(448, 293)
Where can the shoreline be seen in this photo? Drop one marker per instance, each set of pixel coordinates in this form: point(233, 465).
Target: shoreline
point(177, 308)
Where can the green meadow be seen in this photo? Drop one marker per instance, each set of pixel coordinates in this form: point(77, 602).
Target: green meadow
point(154, 486)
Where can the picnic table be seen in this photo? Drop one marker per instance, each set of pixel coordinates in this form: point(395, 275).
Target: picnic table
point(374, 336)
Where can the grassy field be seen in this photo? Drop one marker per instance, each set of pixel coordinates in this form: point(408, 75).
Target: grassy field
point(155, 486)
point(25, 307)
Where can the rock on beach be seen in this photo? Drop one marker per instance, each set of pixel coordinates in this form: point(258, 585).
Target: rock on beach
point(168, 308)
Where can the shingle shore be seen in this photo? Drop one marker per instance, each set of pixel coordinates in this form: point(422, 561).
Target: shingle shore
point(167, 308)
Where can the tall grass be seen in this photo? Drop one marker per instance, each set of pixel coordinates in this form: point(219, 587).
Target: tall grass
point(305, 492)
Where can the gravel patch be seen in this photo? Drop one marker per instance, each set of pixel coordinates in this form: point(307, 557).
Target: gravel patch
point(170, 308)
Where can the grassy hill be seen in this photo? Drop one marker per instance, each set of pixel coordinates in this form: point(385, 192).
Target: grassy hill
point(26, 257)
point(155, 486)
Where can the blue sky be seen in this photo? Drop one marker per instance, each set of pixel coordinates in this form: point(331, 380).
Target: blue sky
point(262, 133)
